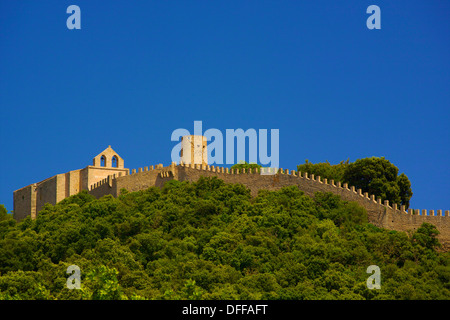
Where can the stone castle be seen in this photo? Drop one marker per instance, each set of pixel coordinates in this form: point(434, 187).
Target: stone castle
point(108, 175)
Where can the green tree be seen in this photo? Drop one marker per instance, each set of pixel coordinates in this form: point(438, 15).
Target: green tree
point(325, 169)
point(426, 236)
point(244, 165)
point(4, 213)
point(374, 175)
point(380, 177)
point(101, 283)
point(405, 189)
point(191, 291)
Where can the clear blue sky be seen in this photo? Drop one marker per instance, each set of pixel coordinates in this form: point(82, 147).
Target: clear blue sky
point(137, 70)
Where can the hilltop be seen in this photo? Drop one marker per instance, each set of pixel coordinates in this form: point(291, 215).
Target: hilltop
point(212, 240)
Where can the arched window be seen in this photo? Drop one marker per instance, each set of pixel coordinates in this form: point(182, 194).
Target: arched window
point(115, 162)
point(103, 161)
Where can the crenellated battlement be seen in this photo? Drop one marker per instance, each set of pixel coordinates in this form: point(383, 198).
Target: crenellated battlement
point(107, 165)
point(351, 191)
point(318, 179)
point(108, 176)
point(108, 180)
point(380, 213)
point(145, 169)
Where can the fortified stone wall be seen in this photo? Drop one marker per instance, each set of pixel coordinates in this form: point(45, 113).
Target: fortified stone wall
point(46, 192)
point(140, 179)
point(73, 183)
point(30, 199)
point(24, 200)
point(386, 215)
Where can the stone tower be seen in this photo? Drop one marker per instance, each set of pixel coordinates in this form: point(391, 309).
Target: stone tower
point(194, 150)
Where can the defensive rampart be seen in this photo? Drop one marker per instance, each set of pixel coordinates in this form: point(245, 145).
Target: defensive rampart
point(385, 215)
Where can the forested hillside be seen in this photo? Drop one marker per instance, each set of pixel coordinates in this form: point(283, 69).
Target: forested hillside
point(211, 240)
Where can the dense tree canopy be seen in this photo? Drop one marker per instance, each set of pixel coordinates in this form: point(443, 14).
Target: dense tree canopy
point(211, 240)
point(374, 175)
